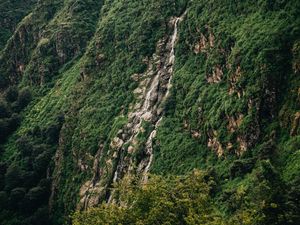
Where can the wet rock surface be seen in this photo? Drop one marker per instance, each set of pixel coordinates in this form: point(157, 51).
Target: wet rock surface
point(151, 93)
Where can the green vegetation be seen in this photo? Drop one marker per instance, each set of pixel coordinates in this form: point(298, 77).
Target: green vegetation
point(12, 12)
point(66, 89)
point(168, 200)
point(13, 102)
point(189, 200)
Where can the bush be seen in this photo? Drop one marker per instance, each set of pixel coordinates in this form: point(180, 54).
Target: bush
point(13, 177)
point(240, 167)
point(4, 111)
point(41, 217)
point(41, 162)
point(35, 197)
point(24, 146)
point(3, 199)
point(7, 126)
point(30, 179)
point(11, 94)
point(16, 196)
point(24, 98)
point(3, 168)
point(4, 127)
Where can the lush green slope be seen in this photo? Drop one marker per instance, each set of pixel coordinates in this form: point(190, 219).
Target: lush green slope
point(12, 11)
point(75, 69)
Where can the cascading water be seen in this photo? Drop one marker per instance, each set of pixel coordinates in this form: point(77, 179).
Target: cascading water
point(153, 91)
point(149, 143)
point(154, 94)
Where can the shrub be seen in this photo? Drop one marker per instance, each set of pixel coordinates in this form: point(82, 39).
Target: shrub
point(11, 94)
point(41, 162)
point(24, 98)
point(13, 177)
point(16, 196)
point(3, 199)
point(4, 111)
point(35, 197)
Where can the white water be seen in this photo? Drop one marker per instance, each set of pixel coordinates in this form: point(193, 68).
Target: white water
point(149, 147)
point(148, 109)
point(149, 143)
point(155, 90)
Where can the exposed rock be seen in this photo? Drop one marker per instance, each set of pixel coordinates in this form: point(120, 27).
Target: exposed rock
point(21, 68)
point(234, 122)
point(216, 75)
point(130, 149)
point(201, 46)
point(100, 59)
point(243, 146)
point(296, 61)
point(185, 124)
point(196, 134)
point(91, 195)
point(215, 144)
point(233, 82)
point(229, 146)
point(136, 77)
point(92, 190)
point(116, 143)
point(211, 39)
point(204, 43)
point(82, 165)
point(62, 55)
point(295, 124)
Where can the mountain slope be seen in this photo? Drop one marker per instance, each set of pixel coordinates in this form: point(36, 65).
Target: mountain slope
point(95, 91)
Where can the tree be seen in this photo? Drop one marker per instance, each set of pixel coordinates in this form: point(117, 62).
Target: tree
point(24, 98)
point(24, 145)
point(13, 177)
point(35, 197)
point(11, 94)
point(173, 200)
point(16, 196)
point(41, 162)
point(3, 168)
point(4, 111)
point(3, 199)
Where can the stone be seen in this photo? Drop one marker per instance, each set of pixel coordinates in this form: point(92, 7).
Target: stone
point(116, 143)
point(130, 149)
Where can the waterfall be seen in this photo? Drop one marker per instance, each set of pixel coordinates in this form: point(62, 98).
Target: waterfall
point(171, 61)
point(152, 92)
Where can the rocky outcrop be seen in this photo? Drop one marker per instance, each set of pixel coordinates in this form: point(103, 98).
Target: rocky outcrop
point(295, 124)
point(234, 122)
point(91, 192)
point(214, 143)
point(296, 56)
point(204, 43)
point(216, 76)
point(234, 79)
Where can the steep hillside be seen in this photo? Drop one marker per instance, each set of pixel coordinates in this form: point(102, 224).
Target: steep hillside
point(110, 103)
point(12, 11)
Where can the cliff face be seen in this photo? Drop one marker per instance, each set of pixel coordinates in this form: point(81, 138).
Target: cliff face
point(95, 91)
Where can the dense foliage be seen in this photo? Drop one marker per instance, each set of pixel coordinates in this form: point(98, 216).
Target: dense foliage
point(12, 12)
point(187, 200)
point(66, 89)
point(168, 200)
